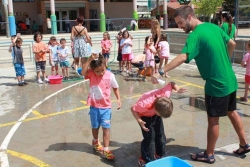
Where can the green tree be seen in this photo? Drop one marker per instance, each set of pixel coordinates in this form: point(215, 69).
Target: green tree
point(207, 7)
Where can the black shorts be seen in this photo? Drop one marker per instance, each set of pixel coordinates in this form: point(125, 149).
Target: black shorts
point(119, 57)
point(139, 65)
point(40, 66)
point(219, 106)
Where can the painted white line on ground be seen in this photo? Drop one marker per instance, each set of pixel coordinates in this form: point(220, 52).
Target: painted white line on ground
point(228, 149)
point(3, 150)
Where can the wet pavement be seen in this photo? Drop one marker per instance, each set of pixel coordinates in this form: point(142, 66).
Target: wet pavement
point(56, 131)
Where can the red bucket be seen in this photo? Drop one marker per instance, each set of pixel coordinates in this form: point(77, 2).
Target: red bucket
point(55, 79)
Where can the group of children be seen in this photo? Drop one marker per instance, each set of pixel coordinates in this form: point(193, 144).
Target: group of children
point(125, 54)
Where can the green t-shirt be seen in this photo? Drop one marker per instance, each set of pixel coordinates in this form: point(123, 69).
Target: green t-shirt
point(207, 44)
point(225, 28)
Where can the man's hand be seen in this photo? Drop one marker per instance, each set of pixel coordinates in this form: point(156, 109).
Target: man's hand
point(154, 78)
point(142, 124)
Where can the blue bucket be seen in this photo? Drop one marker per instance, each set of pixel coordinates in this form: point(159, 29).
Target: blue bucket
point(170, 161)
point(79, 70)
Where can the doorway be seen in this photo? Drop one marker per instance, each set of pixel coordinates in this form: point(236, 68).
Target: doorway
point(93, 23)
point(48, 13)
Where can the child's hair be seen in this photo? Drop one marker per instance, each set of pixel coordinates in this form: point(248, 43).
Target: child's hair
point(97, 63)
point(19, 40)
point(248, 44)
point(52, 38)
point(146, 40)
point(13, 36)
point(164, 37)
point(36, 34)
point(62, 40)
point(106, 33)
point(164, 106)
point(125, 31)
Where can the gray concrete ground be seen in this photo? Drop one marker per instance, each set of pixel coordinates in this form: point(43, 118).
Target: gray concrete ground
point(57, 131)
point(48, 125)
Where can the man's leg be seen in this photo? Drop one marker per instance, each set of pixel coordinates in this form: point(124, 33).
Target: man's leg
point(212, 134)
point(238, 126)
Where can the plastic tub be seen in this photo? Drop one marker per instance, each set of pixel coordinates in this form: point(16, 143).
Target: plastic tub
point(79, 70)
point(170, 161)
point(55, 79)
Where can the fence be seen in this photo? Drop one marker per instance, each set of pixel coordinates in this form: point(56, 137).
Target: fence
point(176, 41)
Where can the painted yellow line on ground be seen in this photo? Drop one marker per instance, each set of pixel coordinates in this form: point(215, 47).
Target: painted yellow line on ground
point(29, 158)
point(184, 85)
point(38, 114)
point(189, 83)
point(44, 116)
point(130, 97)
point(84, 102)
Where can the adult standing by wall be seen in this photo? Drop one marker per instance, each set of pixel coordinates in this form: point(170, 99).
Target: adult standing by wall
point(27, 22)
point(67, 23)
point(155, 31)
point(211, 51)
point(79, 36)
point(228, 26)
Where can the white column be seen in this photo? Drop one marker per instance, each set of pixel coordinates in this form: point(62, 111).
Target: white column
point(164, 6)
point(135, 5)
point(101, 6)
point(52, 7)
point(11, 13)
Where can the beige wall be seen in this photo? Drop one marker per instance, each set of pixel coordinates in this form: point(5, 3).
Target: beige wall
point(30, 8)
point(115, 10)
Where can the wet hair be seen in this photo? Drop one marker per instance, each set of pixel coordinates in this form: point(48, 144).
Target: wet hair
point(80, 19)
point(164, 37)
point(106, 33)
point(126, 31)
point(62, 40)
point(229, 20)
point(36, 34)
point(184, 11)
point(99, 62)
point(19, 40)
point(164, 106)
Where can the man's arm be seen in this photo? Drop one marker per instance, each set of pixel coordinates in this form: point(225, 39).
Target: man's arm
point(177, 61)
point(230, 47)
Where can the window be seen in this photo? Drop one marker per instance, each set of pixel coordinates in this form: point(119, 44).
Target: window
point(23, 0)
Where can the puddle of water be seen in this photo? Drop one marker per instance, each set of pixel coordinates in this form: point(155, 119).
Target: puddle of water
point(6, 104)
point(191, 103)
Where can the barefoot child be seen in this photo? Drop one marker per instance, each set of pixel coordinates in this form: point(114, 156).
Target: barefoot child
point(106, 46)
point(53, 56)
point(101, 82)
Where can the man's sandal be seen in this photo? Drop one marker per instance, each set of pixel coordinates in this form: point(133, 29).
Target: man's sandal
point(245, 148)
point(203, 158)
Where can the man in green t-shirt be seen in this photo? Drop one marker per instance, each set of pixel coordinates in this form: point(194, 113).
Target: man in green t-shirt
point(210, 46)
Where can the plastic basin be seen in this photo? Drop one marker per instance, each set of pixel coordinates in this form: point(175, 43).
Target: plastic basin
point(170, 161)
point(79, 70)
point(55, 79)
